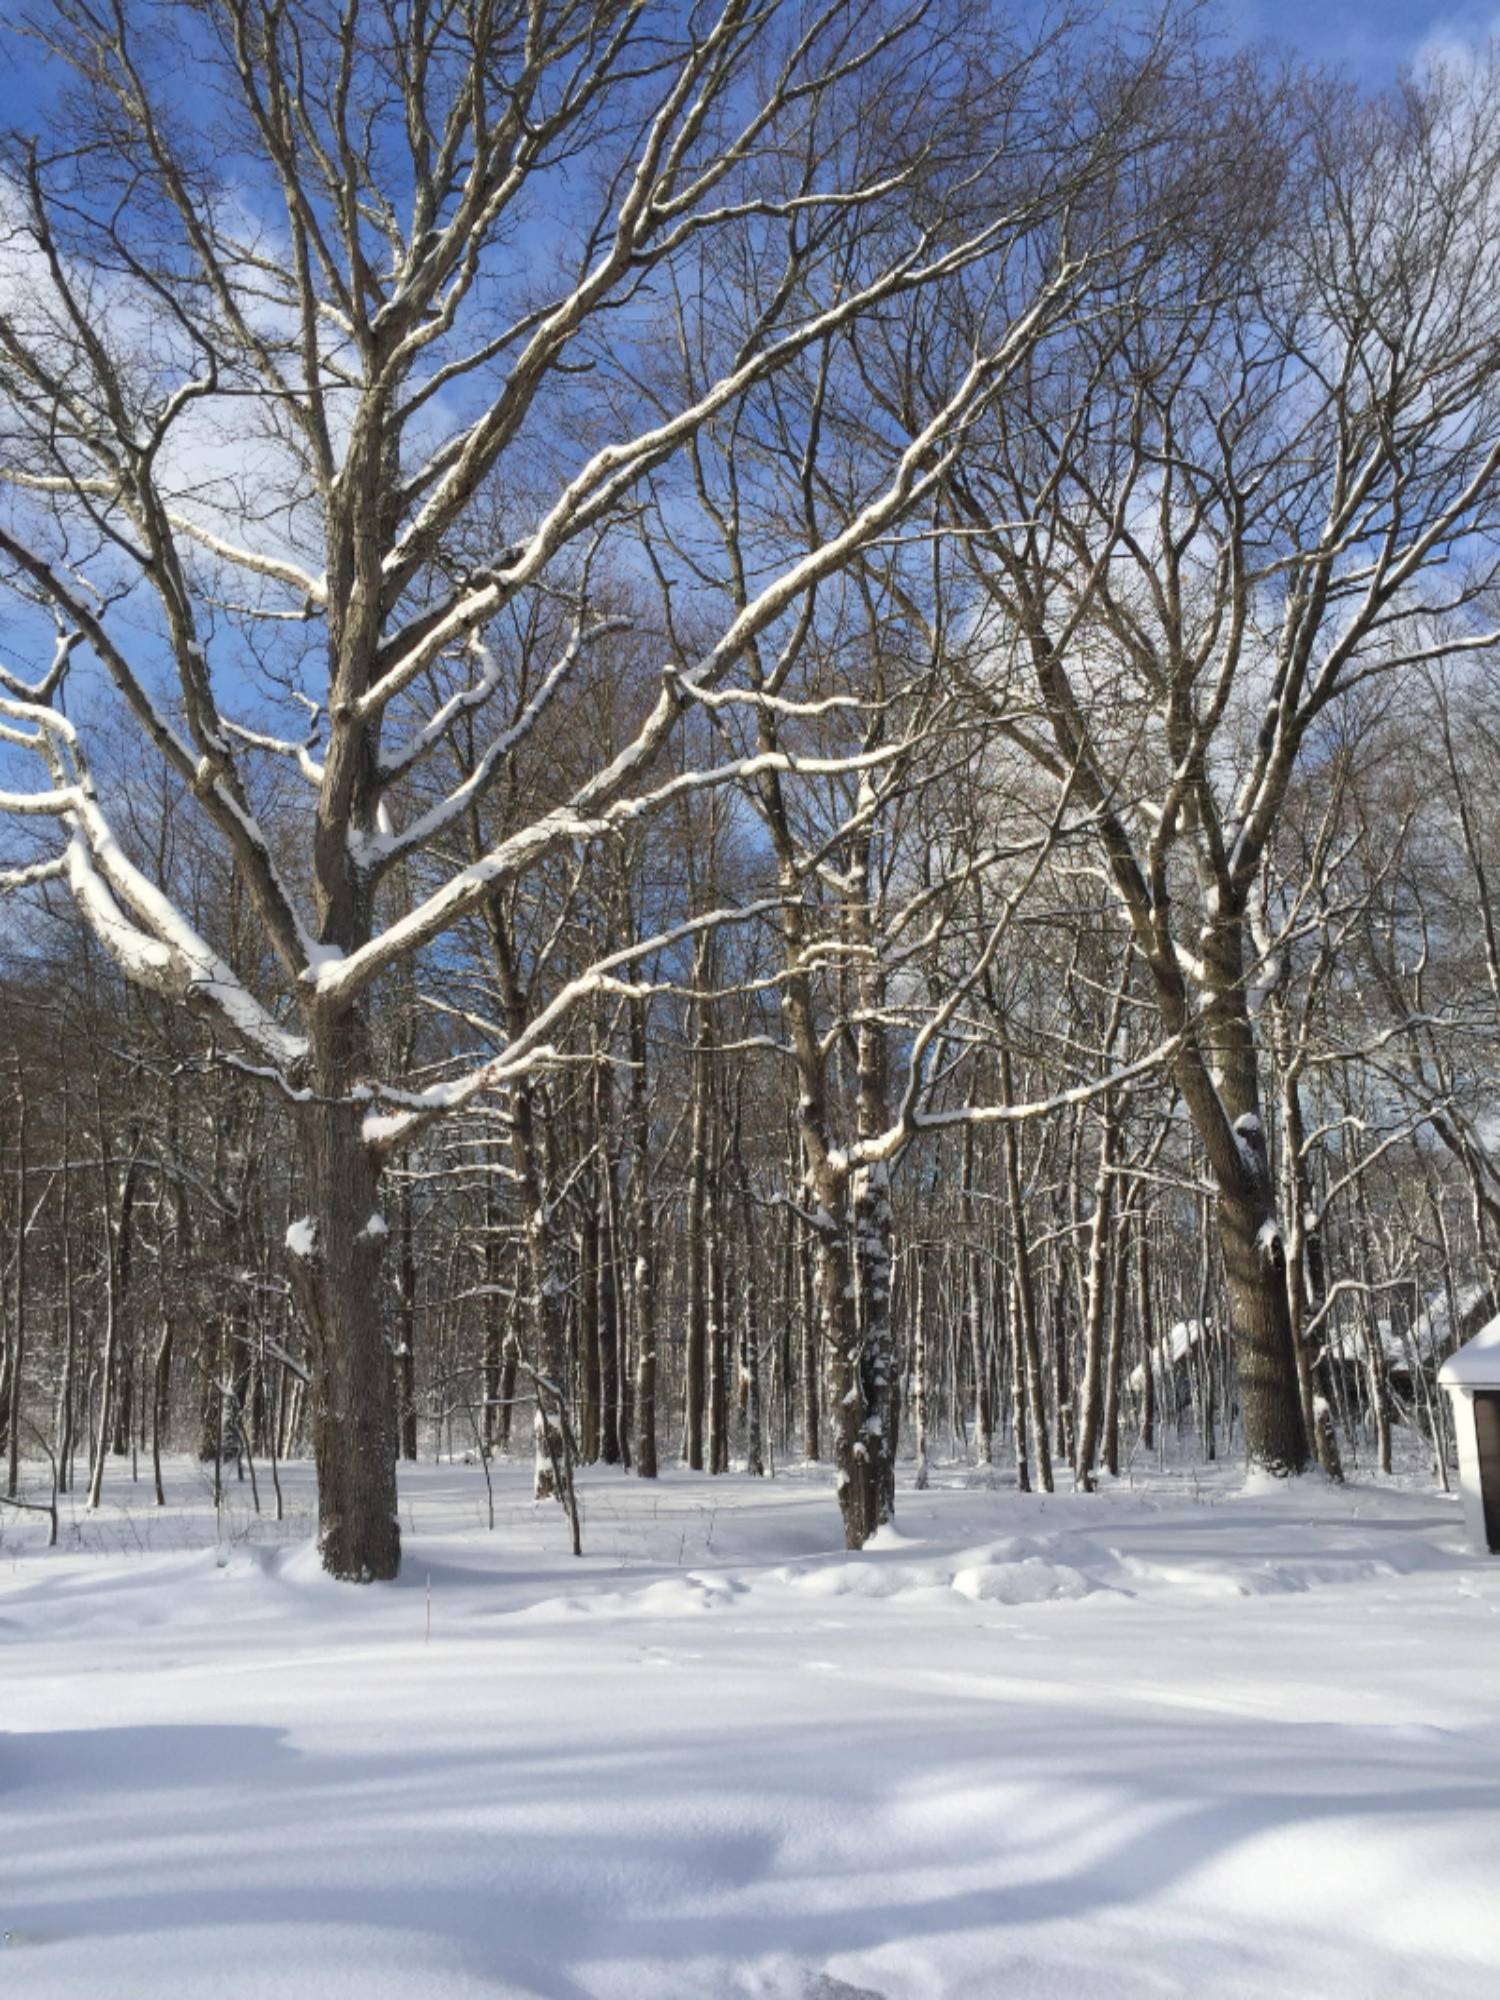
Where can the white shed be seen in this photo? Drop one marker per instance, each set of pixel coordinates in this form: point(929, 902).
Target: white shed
point(1472, 1379)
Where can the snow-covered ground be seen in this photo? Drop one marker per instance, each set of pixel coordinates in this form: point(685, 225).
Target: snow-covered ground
point(1182, 1739)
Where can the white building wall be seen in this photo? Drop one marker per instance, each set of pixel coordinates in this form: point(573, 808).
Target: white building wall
point(1468, 1466)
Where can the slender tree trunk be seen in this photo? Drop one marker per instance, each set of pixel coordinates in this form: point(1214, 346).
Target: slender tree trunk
point(113, 1288)
point(18, 1334)
point(698, 1223)
point(508, 1360)
point(547, 1286)
point(548, 1292)
point(588, 1327)
point(121, 1395)
point(407, 1353)
point(1375, 1357)
point(1145, 1335)
point(984, 1421)
point(1316, 1419)
point(718, 1319)
point(878, 1375)
point(786, 1317)
point(750, 1332)
point(1026, 1333)
point(611, 1343)
point(644, 1287)
point(1100, 1291)
point(919, 1371)
point(161, 1386)
point(493, 1310)
point(1115, 1356)
point(878, 1380)
point(66, 1393)
point(1018, 1390)
point(811, 1358)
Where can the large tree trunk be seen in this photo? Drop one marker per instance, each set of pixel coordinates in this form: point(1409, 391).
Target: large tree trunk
point(1270, 1401)
point(1249, 1230)
point(859, 1471)
point(335, 1255)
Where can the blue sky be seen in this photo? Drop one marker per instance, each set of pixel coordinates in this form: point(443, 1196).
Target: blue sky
point(1370, 38)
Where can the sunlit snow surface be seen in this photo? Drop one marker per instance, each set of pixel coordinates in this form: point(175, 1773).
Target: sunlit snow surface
point(1177, 1739)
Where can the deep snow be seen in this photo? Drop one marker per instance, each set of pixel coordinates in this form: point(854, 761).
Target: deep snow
point(1181, 1739)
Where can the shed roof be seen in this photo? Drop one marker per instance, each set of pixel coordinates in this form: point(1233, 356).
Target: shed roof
point(1476, 1365)
point(1431, 1332)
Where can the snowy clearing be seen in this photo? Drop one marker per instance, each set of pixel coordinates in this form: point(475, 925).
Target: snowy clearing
point(1185, 1739)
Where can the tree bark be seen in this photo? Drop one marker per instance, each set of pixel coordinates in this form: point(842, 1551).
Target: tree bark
point(611, 1323)
point(698, 1220)
point(18, 1337)
point(984, 1419)
point(334, 1260)
point(643, 1289)
point(1026, 1335)
point(1100, 1292)
point(406, 1356)
point(588, 1326)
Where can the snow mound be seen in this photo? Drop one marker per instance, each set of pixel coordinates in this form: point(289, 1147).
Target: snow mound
point(861, 1578)
point(1032, 1580)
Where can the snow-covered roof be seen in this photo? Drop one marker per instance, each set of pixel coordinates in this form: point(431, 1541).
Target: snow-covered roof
point(1476, 1365)
point(1185, 1336)
point(1347, 1343)
point(1432, 1326)
point(1431, 1331)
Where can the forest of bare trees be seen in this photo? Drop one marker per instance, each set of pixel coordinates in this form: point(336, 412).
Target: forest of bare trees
point(738, 735)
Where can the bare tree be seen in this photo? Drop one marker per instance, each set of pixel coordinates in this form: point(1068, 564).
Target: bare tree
point(254, 376)
point(1241, 501)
